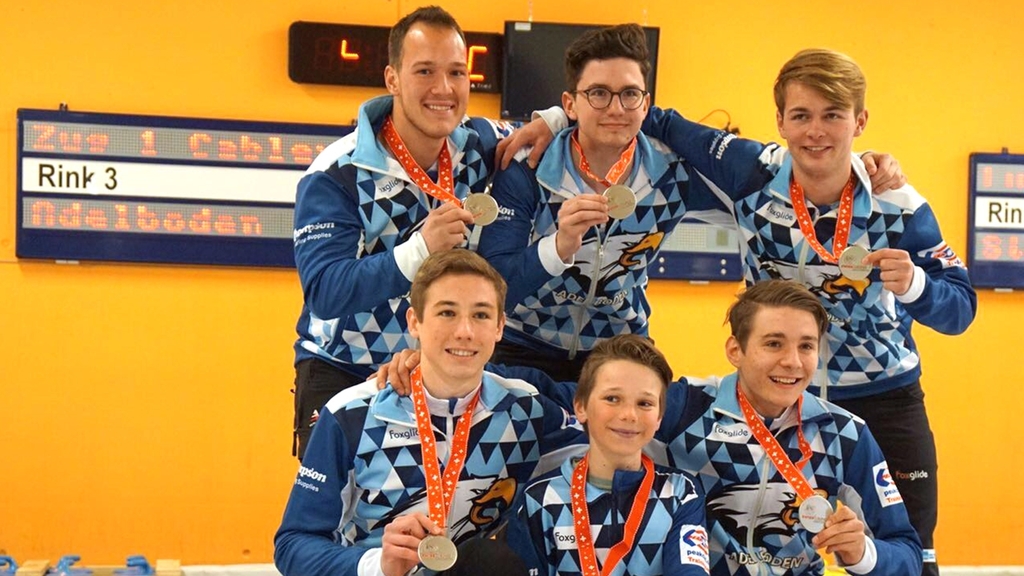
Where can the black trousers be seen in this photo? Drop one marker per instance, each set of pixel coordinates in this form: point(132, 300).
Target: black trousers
point(486, 557)
point(899, 423)
point(558, 366)
point(316, 382)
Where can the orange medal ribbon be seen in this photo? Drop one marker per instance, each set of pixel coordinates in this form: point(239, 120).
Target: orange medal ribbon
point(443, 189)
point(440, 489)
point(796, 194)
point(617, 169)
point(771, 446)
point(581, 519)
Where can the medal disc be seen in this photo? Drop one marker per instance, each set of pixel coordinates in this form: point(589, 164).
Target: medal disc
point(850, 263)
point(621, 201)
point(437, 553)
point(483, 207)
point(813, 512)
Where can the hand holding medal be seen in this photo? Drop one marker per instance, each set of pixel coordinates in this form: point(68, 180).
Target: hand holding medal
point(896, 267)
point(843, 535)
point(621, 199)
point(445, 227)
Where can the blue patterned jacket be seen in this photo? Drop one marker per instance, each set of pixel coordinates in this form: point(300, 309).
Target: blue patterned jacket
point(553, 307)
point(357, 245)
point(363, 468)
point(752, 510)
point(672, 539)
point(870, 347)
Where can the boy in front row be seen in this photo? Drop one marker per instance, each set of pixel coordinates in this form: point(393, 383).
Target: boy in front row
point(613, 511)
point(384, 473)
point(761, 446)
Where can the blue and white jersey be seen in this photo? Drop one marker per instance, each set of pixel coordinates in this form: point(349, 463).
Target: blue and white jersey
point(363, 468)
point(672, 539)
point(602, 293)
point(870, 348)
point(752, 511)
point(357, 241)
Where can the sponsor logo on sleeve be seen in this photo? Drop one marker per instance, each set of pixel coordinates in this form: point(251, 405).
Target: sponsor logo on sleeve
point(944, 254)
point(888, 494)
point(693, 546)
point(311, 474)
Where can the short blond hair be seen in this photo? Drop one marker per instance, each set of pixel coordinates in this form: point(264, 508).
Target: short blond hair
point(833, 74)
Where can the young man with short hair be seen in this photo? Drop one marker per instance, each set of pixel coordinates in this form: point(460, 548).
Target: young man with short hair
point(374, 204)
point(877, 261)
point(574, 237)
point(385, 473)
point(786, 474)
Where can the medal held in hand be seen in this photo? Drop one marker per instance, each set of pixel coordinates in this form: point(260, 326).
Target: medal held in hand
point(848, 258)
point(621, 201)
point(483, 207)
point(438, 553)
point(813, 513)
point(814, 509)
point(850, 263)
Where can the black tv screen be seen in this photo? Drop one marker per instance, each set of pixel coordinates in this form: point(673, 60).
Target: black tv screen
point(534, 72)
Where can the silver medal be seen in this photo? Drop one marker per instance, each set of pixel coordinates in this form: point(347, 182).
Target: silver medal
point(850, 263)
point(483, 207)
point(621, 201)
point(438, 553)
point(813, 513)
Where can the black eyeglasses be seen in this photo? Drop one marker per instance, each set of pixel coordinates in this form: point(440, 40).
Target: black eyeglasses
point(601, 98)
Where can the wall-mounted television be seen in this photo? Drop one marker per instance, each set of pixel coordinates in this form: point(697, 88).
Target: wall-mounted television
point(534, 67)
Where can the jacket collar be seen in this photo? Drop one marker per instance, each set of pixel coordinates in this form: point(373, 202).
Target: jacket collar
point(558, 173)
point(779, 186)
point(370, 151)
point(391, 407)
point(726, 402)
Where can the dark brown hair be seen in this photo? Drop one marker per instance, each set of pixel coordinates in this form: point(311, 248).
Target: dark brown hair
point(622, 41)
point(773, 294)
point(429, 15)
point(449, 262)
point(631, 347)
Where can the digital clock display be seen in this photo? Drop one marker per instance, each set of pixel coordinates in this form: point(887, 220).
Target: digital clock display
point(354, 55)
point(996, 220)
point(160, 189)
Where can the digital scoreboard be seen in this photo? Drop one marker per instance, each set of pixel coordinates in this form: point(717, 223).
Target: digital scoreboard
point(995, 225)
point(356, 55)
point(160, 189)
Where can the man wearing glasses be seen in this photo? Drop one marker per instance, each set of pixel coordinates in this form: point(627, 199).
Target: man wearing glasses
point(574, 237)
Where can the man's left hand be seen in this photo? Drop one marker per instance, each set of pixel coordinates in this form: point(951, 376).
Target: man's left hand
point(536, 134)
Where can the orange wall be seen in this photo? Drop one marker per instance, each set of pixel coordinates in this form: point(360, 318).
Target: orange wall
point(146, 409)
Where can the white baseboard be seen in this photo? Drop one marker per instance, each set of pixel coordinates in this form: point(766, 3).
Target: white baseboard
point(982, 570)
point(270, 570)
